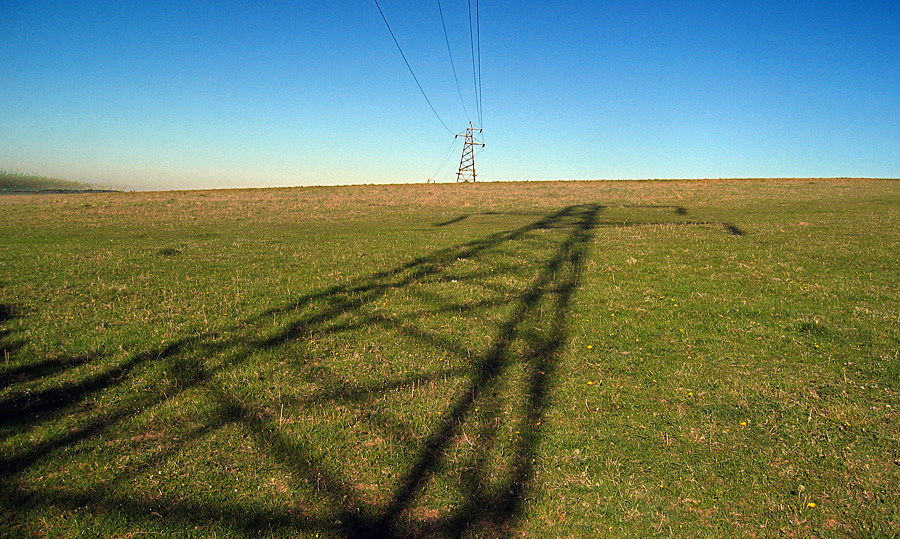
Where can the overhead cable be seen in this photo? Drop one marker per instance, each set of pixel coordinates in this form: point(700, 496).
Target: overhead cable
point(478, 42)
point(474, 71)
point(452, 64)
point(438, 116)
point(444, 160)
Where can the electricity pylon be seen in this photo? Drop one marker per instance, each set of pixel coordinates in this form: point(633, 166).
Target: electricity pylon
point(466, 171)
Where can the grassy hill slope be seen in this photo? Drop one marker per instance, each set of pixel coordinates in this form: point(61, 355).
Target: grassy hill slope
point(553, 359)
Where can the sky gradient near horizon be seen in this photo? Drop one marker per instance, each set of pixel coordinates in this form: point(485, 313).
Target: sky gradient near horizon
point(174, 95)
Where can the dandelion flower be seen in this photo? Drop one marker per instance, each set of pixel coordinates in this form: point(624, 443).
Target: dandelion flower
point(811, 505)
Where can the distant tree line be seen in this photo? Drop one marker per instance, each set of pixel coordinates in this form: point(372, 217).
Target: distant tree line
point(21, 182)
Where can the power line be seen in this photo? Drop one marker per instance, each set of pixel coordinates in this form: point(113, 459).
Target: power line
point(447, 40)
point(444, 160)
point(438, 116)
point(478, 39)
point(474, 71)
point(467, 162)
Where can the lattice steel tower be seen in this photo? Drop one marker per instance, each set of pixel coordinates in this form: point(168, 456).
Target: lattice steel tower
point(466, 171)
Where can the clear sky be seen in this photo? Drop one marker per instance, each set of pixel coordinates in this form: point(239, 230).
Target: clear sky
point(226, 94)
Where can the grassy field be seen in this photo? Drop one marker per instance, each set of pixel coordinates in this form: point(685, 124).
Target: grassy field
point(554, 359)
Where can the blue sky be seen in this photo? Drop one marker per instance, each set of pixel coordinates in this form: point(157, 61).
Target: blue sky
point(174, 95)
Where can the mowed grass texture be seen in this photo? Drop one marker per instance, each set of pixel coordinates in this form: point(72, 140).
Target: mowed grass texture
point(559, 359)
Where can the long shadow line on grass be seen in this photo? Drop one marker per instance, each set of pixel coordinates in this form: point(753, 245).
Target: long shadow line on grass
point(32, 406)
point(729, 227)
point(524, 337)
point(465, 216)
point(34, 371)
point(8, 344)
point(54, 402)
point(19, 373)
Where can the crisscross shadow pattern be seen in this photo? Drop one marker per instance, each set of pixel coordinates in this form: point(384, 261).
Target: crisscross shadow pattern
point(353, 446)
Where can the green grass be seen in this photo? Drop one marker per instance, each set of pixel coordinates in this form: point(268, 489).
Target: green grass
point(559, 359)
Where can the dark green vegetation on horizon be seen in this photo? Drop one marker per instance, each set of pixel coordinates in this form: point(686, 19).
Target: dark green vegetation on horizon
point(19, 182)
point(554, 359)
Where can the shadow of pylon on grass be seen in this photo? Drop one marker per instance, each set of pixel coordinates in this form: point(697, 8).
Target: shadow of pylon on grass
point(493, 508)
point(526, 335)
point(529, 339)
